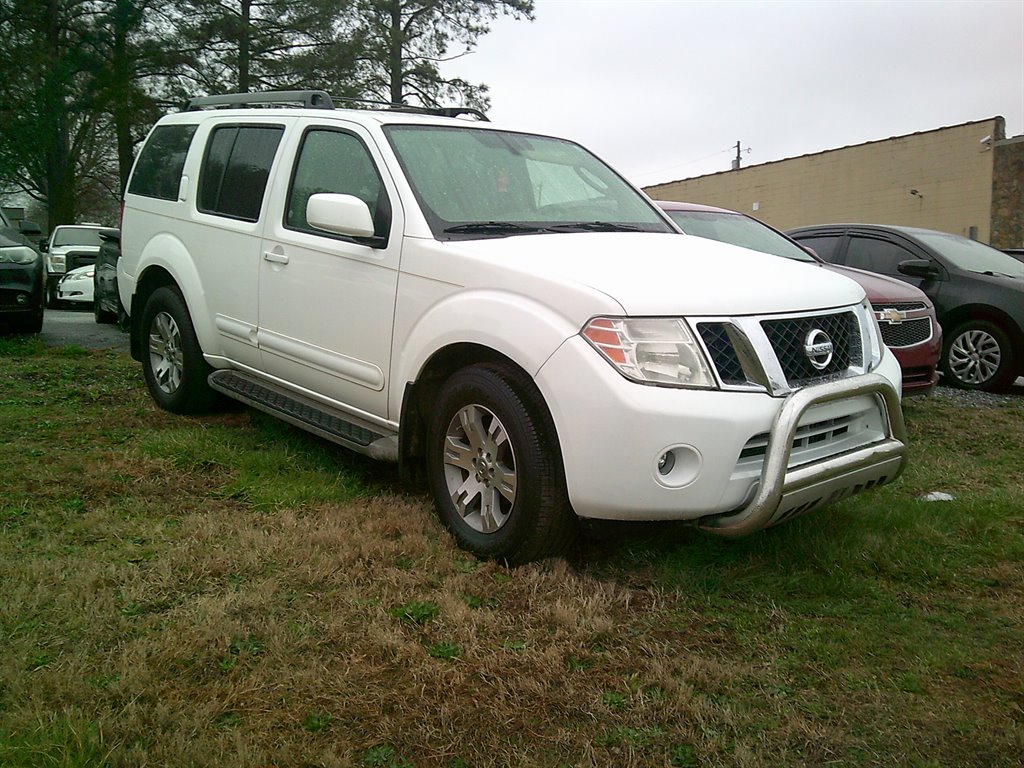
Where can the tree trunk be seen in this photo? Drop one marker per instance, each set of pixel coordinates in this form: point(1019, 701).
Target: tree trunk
point(60, 181)
point(395, 44)
point(244, 33)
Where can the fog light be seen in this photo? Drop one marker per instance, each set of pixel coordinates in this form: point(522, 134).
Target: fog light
point(22, 298)
point(677, 465)
point(666, 463)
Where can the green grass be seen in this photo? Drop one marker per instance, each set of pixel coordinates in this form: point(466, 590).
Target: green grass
point(229, 591)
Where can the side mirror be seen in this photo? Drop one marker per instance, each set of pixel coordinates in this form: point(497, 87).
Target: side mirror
point(342, 214)
point(44, 245)
point(30, 228)
point(918, 268)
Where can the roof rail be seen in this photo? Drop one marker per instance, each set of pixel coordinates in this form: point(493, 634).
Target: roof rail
point(308, 99)
point(316, 100)
point(436, 111)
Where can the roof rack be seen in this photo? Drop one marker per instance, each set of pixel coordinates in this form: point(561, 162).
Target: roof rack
point(308, 99)
point(317, 100)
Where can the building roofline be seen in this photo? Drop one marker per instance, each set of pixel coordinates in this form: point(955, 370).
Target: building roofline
point(827, 151)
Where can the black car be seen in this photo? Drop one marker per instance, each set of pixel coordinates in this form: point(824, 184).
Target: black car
point(978, 291)
point(106, 301)
point(22, 278)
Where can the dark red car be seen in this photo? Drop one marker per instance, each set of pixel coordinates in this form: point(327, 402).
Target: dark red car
point(905, 315)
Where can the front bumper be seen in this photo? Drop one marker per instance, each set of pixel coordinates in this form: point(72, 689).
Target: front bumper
point(741, 461)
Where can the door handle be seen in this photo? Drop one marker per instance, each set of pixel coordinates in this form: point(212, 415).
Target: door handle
point(276, 258)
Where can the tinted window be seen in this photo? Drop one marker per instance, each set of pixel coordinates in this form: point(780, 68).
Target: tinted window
point(158, 170)
point(336, 162)
point(823, 245)
point(235, 170)
point(876, 255)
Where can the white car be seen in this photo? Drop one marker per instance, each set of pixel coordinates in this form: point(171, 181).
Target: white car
point(501, 312)
point(76, 286)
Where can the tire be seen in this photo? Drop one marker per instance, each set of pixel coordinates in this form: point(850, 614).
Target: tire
point(978, 355)
point(35, 325)
point(172, 359)
point(494, 467)
point(102, 316)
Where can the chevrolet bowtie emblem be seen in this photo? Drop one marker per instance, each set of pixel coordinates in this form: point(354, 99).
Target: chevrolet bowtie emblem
point(892, 316)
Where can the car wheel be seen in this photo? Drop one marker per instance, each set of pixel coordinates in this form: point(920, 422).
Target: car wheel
point(35, 325)
point(494, 468)
point(978, 355)
point(173, 361)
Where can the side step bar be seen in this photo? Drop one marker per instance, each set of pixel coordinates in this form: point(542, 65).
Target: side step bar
point(305, 413)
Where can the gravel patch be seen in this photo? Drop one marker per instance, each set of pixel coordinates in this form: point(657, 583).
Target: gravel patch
point(981, 399)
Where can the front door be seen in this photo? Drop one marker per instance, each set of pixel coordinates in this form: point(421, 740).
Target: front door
point(326, 301)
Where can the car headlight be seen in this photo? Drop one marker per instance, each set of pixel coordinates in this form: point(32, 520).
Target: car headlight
point(875, 344)
point(18, 254)
point(659, 351)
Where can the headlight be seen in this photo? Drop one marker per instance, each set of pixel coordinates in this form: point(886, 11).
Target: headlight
point(18, 254)
point(875, 343)
point(651, 350)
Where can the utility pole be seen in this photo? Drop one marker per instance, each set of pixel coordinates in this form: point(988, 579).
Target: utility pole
point(736, 162)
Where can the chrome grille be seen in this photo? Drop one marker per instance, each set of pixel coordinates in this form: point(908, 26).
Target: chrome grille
point(907, 333)
point(788, 336)
point(723, 355)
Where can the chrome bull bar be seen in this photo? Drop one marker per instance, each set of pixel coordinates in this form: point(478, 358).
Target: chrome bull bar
point(876, 463)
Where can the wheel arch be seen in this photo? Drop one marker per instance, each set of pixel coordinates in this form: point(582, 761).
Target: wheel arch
point(966, 312)
point(166, 261)
point(419, 394)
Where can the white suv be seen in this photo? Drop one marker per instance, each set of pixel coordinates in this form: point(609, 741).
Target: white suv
point(502, 310)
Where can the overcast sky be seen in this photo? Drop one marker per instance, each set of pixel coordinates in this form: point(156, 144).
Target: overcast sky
point(663, 89)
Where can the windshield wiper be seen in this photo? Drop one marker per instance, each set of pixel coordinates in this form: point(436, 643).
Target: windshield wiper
point(490, 228)
point(594, 226)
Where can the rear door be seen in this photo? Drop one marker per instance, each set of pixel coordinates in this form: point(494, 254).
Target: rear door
point(327, 301)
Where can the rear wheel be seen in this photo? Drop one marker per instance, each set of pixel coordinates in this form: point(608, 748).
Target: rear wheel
point(978, 355)
point(173, 360)
point(494, 468)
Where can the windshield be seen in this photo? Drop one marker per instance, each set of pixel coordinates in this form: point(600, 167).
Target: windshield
point(474, 182)
point(970, 255)
point(737, 229)
point(76, 236)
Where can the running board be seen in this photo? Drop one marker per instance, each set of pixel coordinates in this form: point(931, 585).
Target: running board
point(305, 413)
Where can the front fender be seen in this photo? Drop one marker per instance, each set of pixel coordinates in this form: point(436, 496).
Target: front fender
point(515, 326)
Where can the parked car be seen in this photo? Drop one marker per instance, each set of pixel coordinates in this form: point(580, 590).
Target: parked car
point(69, 246)
point(76, 286)
point(106, 304)
point(22, 278)
point(978, 292)
point(501, 312)
point(905, 315)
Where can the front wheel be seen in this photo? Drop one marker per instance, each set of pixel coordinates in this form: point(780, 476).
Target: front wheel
point(978, 355)
point(173, 360)
point(494, 468)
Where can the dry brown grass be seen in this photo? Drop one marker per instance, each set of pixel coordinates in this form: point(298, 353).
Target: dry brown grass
point(153, 614)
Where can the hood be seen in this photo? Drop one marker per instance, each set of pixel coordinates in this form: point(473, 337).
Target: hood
point(879, 288)
point(79, 248)
point(657, 274)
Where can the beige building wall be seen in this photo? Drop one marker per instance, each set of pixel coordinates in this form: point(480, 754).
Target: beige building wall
point(951, 169)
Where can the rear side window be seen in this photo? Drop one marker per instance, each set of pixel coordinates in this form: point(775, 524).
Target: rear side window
point(158, 170)
point(235, 170)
